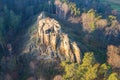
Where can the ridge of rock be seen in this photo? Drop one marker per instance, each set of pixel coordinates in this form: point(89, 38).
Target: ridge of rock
point(47, 41)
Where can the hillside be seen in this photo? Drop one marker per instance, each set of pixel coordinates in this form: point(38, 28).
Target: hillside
point(59, 40)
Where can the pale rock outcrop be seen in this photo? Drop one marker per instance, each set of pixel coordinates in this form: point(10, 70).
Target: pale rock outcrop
point(76, 51)
point(51, 42)
point(54, 40)
point(64, 47)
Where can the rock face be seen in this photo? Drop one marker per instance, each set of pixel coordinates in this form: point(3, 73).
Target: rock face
point(114, 56)
point(48, 41)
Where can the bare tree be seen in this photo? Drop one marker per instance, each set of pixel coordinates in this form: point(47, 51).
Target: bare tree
point(58, 5)
point(113, 55)
point(50, 6)
point(65, 9)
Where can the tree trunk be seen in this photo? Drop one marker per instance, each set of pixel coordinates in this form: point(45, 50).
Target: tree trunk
point(2, 45)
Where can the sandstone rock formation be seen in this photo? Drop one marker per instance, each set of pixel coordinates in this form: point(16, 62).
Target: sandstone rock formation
point(48, 41)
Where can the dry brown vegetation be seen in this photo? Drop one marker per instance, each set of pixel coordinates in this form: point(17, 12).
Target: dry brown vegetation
point(114, 56)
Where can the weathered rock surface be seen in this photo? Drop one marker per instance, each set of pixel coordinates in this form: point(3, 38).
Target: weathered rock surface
point(47, 41)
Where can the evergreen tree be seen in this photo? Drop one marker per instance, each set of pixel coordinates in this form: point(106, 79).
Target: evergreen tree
point(1, 33)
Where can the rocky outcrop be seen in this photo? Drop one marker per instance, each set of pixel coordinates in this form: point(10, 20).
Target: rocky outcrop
point(48, 41)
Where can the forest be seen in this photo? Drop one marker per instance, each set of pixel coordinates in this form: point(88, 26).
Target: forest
point(59, 40)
